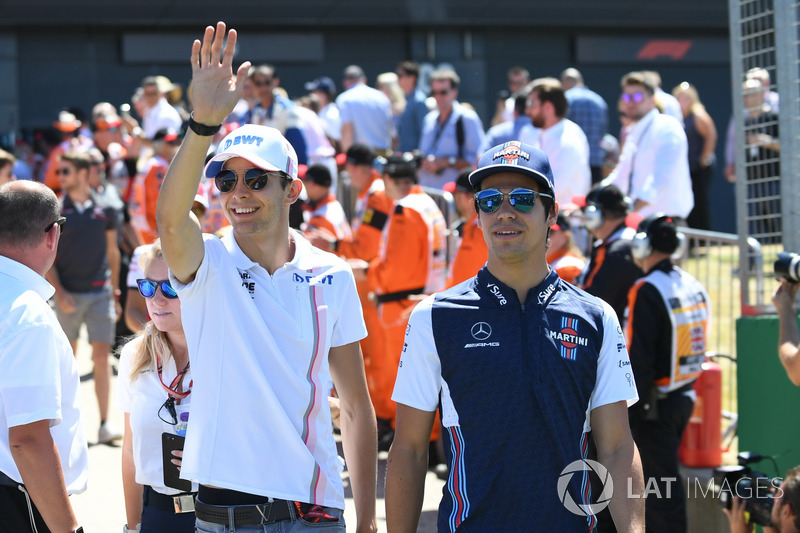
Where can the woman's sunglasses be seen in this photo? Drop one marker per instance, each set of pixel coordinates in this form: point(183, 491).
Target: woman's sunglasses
point(255, 179)
point(148, 287)
point(522, 200)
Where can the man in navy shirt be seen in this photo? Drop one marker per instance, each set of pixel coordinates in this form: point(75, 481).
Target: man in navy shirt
point(521, 366)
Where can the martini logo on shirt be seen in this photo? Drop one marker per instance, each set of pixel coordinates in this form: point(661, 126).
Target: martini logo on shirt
point(569, 338)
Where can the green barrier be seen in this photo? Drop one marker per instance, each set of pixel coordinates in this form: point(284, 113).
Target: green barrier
point(768, 403)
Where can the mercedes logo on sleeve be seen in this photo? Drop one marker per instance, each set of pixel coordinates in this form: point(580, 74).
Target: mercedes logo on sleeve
point(481, 331)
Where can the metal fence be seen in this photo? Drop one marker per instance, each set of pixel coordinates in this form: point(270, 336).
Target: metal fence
point(765, 80)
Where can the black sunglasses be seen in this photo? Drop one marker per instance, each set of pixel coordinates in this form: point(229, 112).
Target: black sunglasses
point(255, 178)
point(58, 222)
point(443, 92)
point(147, 288)
point(522, 200)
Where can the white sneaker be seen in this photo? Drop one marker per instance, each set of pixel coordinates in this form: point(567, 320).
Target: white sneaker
point(107, 433)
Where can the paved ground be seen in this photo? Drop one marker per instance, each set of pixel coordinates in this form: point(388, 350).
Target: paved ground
point(101, 509)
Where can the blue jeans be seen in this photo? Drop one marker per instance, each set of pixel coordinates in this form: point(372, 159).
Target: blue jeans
point(293, 525)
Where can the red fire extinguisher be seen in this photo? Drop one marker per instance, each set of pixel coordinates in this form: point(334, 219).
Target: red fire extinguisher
point(701, 445)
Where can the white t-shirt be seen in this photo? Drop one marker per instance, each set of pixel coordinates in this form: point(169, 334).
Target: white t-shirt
point(143, 398)
point(39, 378)
point(259, 347)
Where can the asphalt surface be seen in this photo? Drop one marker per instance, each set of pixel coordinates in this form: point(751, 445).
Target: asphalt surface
point(101, 508)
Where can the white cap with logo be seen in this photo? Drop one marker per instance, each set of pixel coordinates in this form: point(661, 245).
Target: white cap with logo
point(263, 146)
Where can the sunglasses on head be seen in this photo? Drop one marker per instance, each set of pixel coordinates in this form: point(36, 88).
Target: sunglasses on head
point(148, 287)
point(632, 97)
point(255, 178)
point(523, 200)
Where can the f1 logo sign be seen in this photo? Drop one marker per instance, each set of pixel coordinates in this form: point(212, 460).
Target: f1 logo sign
point(675, 50)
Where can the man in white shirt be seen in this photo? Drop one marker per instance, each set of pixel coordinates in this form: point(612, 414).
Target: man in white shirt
point(365, 112)
point(271, 323)
point(561, 139)
point(160, 114)
point(43, 453)
point(653, 168)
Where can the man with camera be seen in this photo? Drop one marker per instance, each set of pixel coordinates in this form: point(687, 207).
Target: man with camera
point(785, 515)
point(667, 328)
point(783, 299)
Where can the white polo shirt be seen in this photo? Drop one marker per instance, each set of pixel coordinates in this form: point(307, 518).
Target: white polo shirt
point(143, 398)
point(259, 346)
point(39, 378)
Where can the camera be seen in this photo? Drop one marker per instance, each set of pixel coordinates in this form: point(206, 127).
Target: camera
point(787, 266)
point(755, 489)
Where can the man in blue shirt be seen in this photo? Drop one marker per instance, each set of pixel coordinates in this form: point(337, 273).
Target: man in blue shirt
point(410, 128)
point(521, 366)
point(589, 111)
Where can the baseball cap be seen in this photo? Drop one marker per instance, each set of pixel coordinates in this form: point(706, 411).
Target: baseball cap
point(562, 224)
point(518, 157)
point(263, 146)
point(461, 183)
point(360, 154)
point(319, 174)
point(166, 135)
point(67, 122)
point(324, 84)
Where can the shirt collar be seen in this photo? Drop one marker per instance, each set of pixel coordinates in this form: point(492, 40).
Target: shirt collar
point(301, 260)
point(503, 295)
point(26, 277)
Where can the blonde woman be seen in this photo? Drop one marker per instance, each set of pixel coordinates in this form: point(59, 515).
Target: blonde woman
point(155, 385)
point(389, 84)
point(702, 136)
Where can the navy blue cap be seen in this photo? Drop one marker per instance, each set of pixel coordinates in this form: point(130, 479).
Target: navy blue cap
point(324, 84)
point(514, 156)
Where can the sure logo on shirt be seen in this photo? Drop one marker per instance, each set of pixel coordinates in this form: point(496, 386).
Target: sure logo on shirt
point(494, 289)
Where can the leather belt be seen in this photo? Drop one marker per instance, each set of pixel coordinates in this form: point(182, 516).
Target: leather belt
point(244, 515)
point(400, 295)
point(178, 503)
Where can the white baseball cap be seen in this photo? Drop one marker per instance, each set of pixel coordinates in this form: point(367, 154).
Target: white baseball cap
point(263, 146)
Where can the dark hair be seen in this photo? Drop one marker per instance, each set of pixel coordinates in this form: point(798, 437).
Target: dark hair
point(149, 80)
point(521, 100)
point(550, 90)
point(264, 69)
point(409, 67)
point(26, 208)
point(791, 493)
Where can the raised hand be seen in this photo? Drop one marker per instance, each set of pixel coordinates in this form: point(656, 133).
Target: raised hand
point(215, 90)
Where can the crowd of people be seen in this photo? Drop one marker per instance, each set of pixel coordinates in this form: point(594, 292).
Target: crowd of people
point(214, 246)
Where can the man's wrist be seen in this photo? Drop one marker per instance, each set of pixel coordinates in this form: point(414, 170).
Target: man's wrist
point(203, 129)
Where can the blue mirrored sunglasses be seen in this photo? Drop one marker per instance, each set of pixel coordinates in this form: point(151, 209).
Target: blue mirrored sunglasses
point(523, 200)
point(147, 288)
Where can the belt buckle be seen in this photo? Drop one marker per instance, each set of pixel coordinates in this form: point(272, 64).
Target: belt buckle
point(184, 503)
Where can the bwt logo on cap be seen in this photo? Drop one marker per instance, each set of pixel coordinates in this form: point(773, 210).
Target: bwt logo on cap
point(242, 139)
point(511, 152)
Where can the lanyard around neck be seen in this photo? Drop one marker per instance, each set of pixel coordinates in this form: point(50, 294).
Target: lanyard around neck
point(172, 389)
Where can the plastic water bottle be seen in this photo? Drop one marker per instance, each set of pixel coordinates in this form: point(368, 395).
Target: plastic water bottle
point(183, 421)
